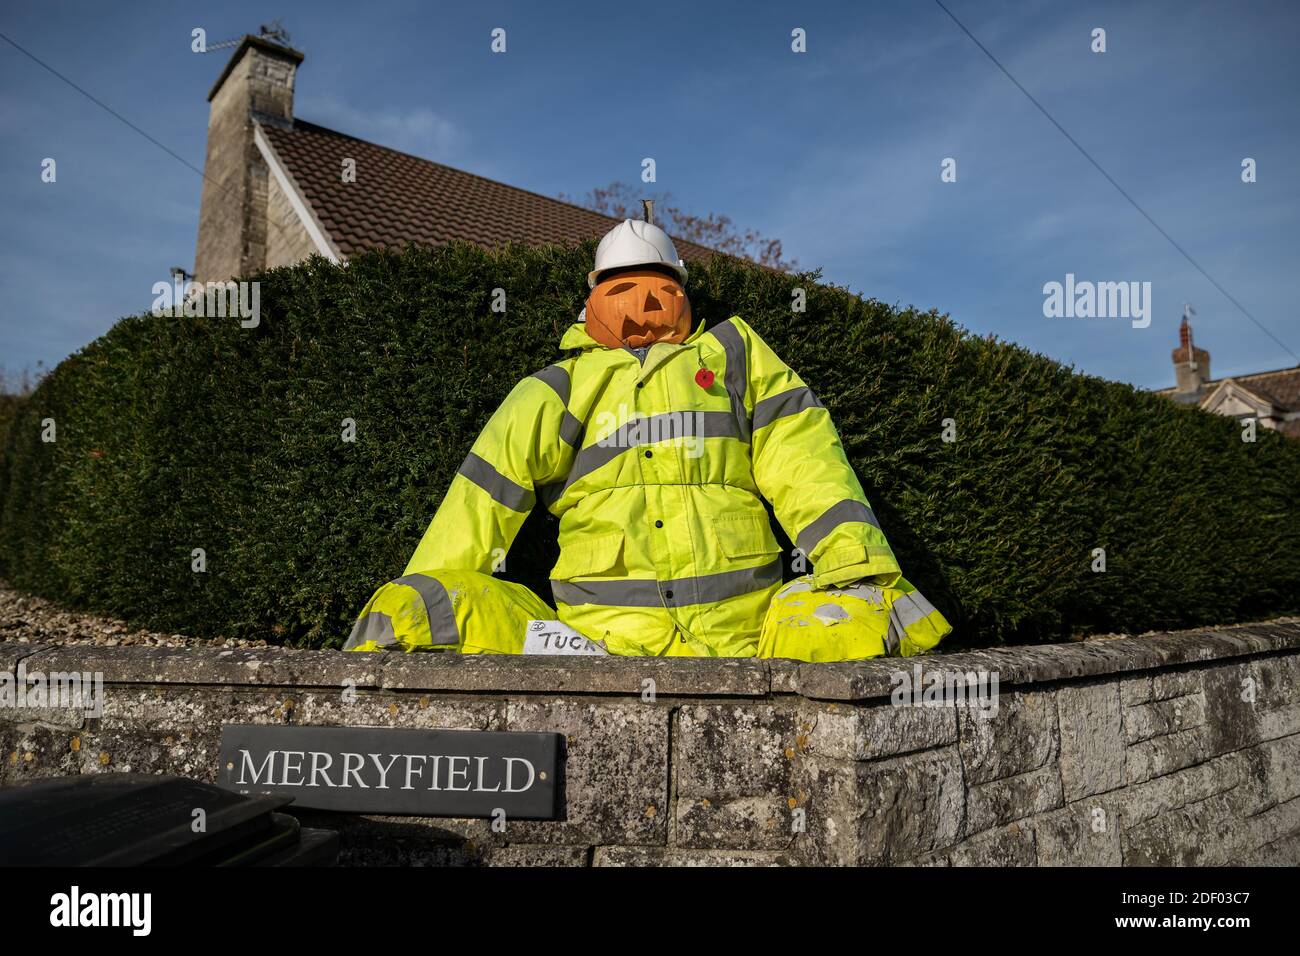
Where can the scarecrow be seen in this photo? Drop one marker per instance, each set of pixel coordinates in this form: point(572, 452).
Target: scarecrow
point(656, 446)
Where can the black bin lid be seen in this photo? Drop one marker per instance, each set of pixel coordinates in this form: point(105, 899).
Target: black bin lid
point(133, 819)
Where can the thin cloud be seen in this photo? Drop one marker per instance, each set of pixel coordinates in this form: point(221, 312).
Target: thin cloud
point(419, 130)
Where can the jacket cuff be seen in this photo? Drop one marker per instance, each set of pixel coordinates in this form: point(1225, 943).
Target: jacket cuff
point(842, 566)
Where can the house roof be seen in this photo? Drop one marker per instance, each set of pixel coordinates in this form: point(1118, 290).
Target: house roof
point(1280, 387)
point(399, 198)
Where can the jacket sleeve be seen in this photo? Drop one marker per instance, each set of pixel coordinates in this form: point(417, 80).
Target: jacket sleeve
point(528, 442)
point(800, 466)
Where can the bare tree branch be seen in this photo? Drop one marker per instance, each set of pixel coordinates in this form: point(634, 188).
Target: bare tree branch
point(623, 201)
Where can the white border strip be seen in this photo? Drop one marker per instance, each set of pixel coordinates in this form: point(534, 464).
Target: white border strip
point(314, 230)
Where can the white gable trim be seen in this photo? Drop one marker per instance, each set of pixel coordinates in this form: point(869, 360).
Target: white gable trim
point(1230, 389)
point(314, 229)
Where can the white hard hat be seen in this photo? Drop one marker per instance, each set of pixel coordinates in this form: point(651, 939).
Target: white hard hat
point(636, 243)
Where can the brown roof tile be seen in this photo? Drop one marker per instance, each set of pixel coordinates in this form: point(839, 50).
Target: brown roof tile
point(1280, 386)
point(399, 198)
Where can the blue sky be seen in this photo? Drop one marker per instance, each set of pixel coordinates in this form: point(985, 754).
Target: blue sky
point(836, 152)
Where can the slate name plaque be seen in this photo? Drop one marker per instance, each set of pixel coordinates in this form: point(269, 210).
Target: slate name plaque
point(437, 773)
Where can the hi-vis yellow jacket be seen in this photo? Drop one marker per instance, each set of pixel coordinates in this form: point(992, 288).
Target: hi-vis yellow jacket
point(658, 476)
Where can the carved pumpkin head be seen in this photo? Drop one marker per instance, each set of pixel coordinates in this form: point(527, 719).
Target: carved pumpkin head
point(637, 307)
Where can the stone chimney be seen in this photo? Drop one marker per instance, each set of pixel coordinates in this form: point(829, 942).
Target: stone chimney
point(257, 83)
point(1191, 365)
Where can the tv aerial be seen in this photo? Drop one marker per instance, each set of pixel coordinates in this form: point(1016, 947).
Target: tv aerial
point(267, 31)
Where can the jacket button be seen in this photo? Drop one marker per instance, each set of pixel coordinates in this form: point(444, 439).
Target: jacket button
point(668, 595)
point(659, 524)
point(649, 454)
point(640, 384)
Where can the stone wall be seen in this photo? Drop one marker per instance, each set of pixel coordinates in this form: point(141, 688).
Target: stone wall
point(1179, 748)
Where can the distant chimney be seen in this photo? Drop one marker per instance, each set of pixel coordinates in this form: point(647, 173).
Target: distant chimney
point(257, 83)
point(1191, 365)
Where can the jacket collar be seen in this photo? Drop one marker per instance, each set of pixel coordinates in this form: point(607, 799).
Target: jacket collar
point(577, 338)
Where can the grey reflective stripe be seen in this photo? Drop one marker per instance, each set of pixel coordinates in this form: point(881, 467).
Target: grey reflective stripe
point(705, 589)
point(558, 379)
point(849, 509)
point(437, 607)
point(893, 636)
point(647, 431)
point(736, 378)
point(375, 626)
point(906, 611)
point(501, 488)
point(571, 429)
point(787, 403)
point(910, 608)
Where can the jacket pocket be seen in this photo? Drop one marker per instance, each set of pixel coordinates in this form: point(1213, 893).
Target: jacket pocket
point(588, 555)
point(745, 536)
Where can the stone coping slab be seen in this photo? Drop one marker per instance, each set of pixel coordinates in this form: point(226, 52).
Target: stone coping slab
point(1032, 664)
point(716, 677)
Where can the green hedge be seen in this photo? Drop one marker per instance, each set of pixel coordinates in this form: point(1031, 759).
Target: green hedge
point(9, 408)
point(177, 433)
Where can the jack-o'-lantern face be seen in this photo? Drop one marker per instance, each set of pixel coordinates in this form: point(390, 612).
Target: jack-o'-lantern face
point(638, 307)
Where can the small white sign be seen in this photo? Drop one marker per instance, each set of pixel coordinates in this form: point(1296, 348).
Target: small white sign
point(555, 637)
